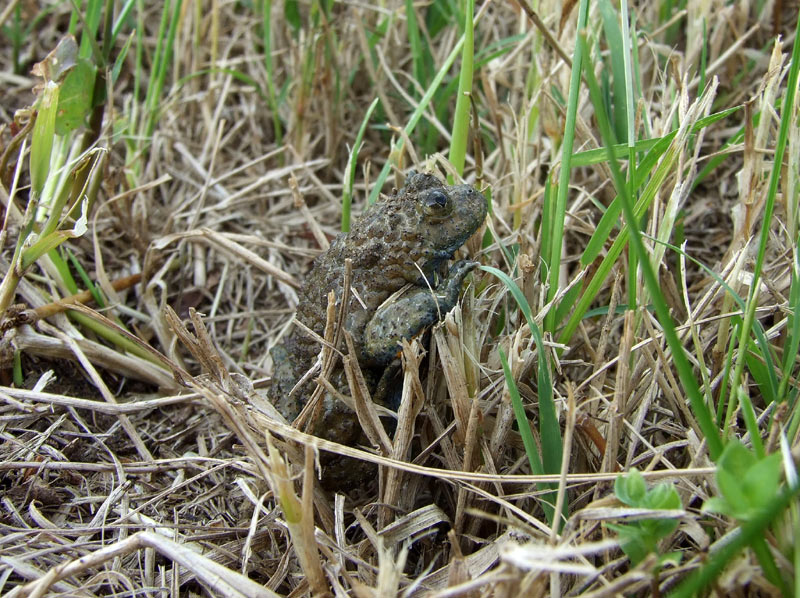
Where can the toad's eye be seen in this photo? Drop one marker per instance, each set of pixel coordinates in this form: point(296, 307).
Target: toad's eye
point(435, 203)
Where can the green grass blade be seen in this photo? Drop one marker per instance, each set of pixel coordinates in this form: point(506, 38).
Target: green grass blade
point(458, 143)
point(67, 280)
point(618, 55)
point(87, 282)
point(122, 19)
point(546, 230)
point(350, 169)
point(89, 17)
point(629, 89)
point(531, 450)
point(166, 41)
point(272, 96)
point(120, 60)
point(44, 130)
point(620, 150)
point(665, 150)
point(760, 360)
point(552, 254)
point(420, 53)
point(751, 423)
point(42, 246)
point(119, 340)
point(17, 376)
point(792, 344)
point(534, 458)
point(663, 168)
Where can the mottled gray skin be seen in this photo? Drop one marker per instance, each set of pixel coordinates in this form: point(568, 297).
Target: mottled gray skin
point(416, 229)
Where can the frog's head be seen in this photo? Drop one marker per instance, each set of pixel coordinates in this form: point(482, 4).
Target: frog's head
point(449, 214)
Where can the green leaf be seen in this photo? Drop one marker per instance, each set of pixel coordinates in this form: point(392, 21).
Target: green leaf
point(745, 482)
point(640, 538)
point(631, 488)
point(717, 504)
point(659, 528)
point(58, 63)
point(291, 11)
point(736, 458)
point(458, 143)
point(350, 169)
point(613, 35)
point(750, 532)
point(633, 542)
point(663, 496)
point(75, 98)
point(730, 486)
point(671, 558)
point(43, 137)
point(762, 480)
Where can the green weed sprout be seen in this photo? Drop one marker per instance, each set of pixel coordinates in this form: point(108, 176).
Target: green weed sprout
point(640, 538)
point(747, 484)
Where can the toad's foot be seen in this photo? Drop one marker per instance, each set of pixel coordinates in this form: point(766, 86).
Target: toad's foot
point(411, 314)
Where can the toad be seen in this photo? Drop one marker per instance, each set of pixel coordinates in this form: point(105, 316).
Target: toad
point(403, 238)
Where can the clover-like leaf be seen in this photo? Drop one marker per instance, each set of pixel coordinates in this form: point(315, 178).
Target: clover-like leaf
point(746, 483)
point(640, 538)
point(634, 544)
point(631, 488)
point(762, 479)
point(662, 496)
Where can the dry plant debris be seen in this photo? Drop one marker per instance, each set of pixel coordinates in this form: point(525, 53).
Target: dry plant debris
point(139, 455)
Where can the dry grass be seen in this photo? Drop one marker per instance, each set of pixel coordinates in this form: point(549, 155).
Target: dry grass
point(134, 474)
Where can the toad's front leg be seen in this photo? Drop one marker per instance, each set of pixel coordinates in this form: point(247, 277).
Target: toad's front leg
point(411, 314)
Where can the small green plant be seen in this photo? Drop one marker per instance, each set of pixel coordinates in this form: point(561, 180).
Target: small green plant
point(641, 538)
point(747, 484)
